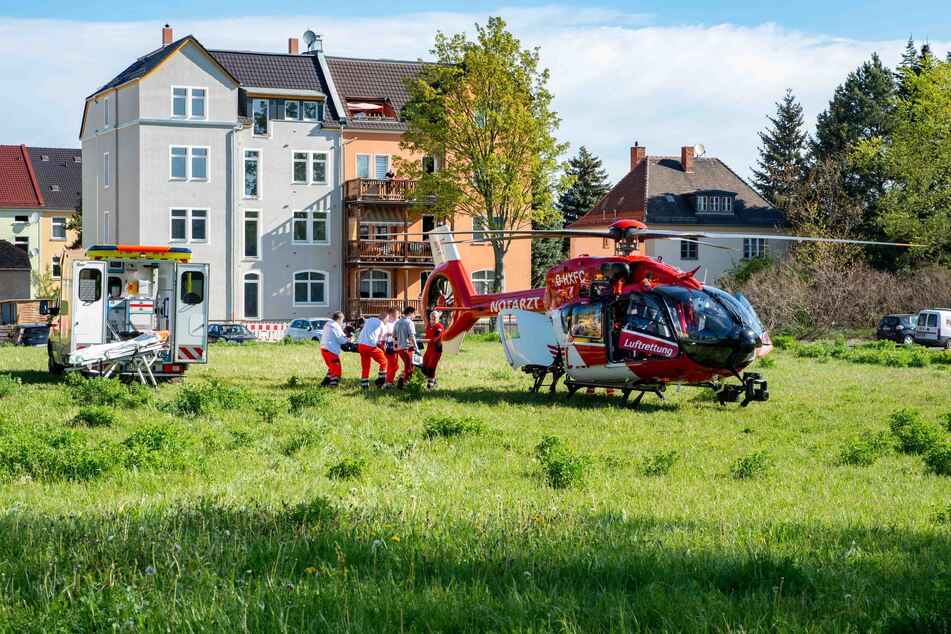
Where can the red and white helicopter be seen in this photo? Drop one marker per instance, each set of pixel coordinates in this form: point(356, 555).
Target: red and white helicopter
point(627, 322)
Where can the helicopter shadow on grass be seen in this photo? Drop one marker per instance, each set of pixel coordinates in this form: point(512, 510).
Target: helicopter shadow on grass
point(34, 377)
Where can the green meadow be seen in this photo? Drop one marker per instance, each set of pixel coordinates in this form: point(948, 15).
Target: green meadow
point(247, 498)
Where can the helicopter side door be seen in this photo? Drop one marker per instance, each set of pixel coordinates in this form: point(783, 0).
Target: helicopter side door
point(641, 331)
point(582, 325)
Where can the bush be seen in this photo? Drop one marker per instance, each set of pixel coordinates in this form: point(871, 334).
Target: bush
point(563, 467)
point(660, 463)
point(303, 436)
point(309, 398)
point(269, 409)
point(755, 465)
point(447, 426)
point(914, 434)
point(66, 454)
point(947, 421)
point(108, 392)
point(8, 385)
point(415, 387)
point(200, 400)
point(865, 449)
point(942, 515)
point(938, 459)
point(157, 445)
point(346, 469)
point(95, 416)
point(784, 342)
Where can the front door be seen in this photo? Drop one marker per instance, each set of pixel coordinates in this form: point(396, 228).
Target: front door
point(190, 330)
point(89, 300)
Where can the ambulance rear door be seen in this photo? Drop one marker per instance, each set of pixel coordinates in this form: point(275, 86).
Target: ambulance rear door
point(88, 318)
point(190, 325)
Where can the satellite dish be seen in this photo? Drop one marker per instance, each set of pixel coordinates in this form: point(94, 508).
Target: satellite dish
point(699, 150)
point(34, 252)
point(35, 216)
point(309, 38)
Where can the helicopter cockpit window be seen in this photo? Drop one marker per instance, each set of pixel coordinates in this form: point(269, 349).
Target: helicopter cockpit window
point(584, 322)
point(696, 315)
point(645, 315)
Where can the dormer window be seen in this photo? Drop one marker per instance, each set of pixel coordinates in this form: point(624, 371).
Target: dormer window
point(701, 203)
point(360, 108)
point(714, 203)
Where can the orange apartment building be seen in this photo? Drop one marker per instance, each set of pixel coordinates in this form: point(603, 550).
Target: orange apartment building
point(387, 255)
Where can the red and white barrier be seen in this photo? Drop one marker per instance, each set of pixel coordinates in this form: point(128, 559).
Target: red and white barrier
point(267, 330)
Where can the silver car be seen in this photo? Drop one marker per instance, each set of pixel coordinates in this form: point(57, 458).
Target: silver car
point(306, 329)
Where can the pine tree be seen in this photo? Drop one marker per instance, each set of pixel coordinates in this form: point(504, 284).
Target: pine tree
point(546, 252)
point(914, 61)
point(589, 184)
point(781, 164)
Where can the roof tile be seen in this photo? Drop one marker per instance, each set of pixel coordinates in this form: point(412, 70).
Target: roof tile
point(13, 257)
point(61, 171)
point(357, 79)
point(17, 187)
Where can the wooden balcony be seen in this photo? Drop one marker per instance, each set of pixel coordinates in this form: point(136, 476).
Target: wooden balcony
point(380, 190)
point(391, 251)
point(373, 307)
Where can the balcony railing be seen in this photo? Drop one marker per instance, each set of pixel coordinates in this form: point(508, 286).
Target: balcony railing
point(397, 251)
point(371, 307)
point(381, 190)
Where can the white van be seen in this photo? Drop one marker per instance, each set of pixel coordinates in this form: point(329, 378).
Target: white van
point(116, 300)
point(934, 328)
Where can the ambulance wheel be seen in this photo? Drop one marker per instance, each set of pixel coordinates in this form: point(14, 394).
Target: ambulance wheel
point(315, 339)
point(947, 344)
point(55, 368)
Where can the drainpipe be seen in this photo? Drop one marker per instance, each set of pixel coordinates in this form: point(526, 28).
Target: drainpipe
point(231, 257)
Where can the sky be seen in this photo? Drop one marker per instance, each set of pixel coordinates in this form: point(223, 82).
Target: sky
point(657, 73)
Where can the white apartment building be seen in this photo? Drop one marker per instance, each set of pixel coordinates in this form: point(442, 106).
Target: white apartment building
point(233, 154)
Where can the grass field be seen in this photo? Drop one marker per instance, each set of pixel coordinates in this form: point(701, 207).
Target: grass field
point(434, 511)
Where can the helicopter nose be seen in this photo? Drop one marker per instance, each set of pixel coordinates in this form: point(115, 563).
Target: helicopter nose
point(744, 342)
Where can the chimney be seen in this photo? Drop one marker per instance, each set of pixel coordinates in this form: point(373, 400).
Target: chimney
point(638, 154)
point(292, 46)
point(166, 35)
point(686, 158)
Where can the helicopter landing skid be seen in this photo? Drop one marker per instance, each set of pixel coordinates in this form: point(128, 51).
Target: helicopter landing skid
point(539, 373)
point(657, 389)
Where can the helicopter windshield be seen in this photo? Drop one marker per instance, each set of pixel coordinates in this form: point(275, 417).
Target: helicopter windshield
point(740, 307)
point(696, 315)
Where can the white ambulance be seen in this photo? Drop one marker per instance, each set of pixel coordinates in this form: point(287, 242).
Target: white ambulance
point(934, 328)
point(129, 310)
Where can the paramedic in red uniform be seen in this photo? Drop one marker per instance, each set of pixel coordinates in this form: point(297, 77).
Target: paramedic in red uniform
point(370, 346)
point(404, 338)
point(330, 341)
point(434, 332)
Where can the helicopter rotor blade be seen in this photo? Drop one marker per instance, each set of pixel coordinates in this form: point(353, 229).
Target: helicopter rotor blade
point(650, 233)
point(599, 235)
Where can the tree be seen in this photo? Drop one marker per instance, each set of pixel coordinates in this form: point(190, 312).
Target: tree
point(915, 158)
point(914, 61)
point(546, 252)
point(589, 183)
point(485, 106)
point(44, 286)
point(75, 223)
point(781, 163)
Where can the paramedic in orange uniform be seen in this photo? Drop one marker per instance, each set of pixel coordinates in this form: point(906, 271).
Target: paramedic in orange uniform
point(330, 342)
point(389, 348)
point(434, 332)
point(404, 337)
point(370, 345)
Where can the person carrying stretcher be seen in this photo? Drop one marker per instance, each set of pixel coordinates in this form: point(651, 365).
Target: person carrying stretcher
point(434, 330)
point(404, 338)
point(331, 339)
point(370, 345)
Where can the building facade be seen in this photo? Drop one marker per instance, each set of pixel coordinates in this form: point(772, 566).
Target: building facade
point(275, 169)
point(686, 193)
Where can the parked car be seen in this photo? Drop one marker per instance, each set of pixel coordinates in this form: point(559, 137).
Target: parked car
point(898, 328)
point(230, 333)
point(32, 334)
point(934, 328)
point(306, 329)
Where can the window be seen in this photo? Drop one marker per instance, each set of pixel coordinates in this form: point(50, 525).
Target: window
point(478, 226)
point(189, 225)
point(292, 110)
point(670, 198)
point(90, 285)
point(105, 170)
point(688, 250)
point(259, 116)
point(59, 228)
point(252, 295)
point(430, 164)
point(105, 227)
point(193, 287)
point(309, 110)
point(381, 165)
point(483, 281)
point(22, 243)
point(105, 112)
point(310, 288)
point(754, 248)
point(715, 204)
point(584, 322)
point(309, 168)
point(188, 103)
point(423, 276)
point(645, 314)
point(251, 171)
point(728, 204)
point(429, 223)
point(310, 227)
point(56, 268)
point(363, 166)
point(188, 163)
point(251, 232)
point(21, 219)
point(701, 203)
point(374, 284)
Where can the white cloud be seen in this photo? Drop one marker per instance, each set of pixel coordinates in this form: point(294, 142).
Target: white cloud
point(616, 76)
